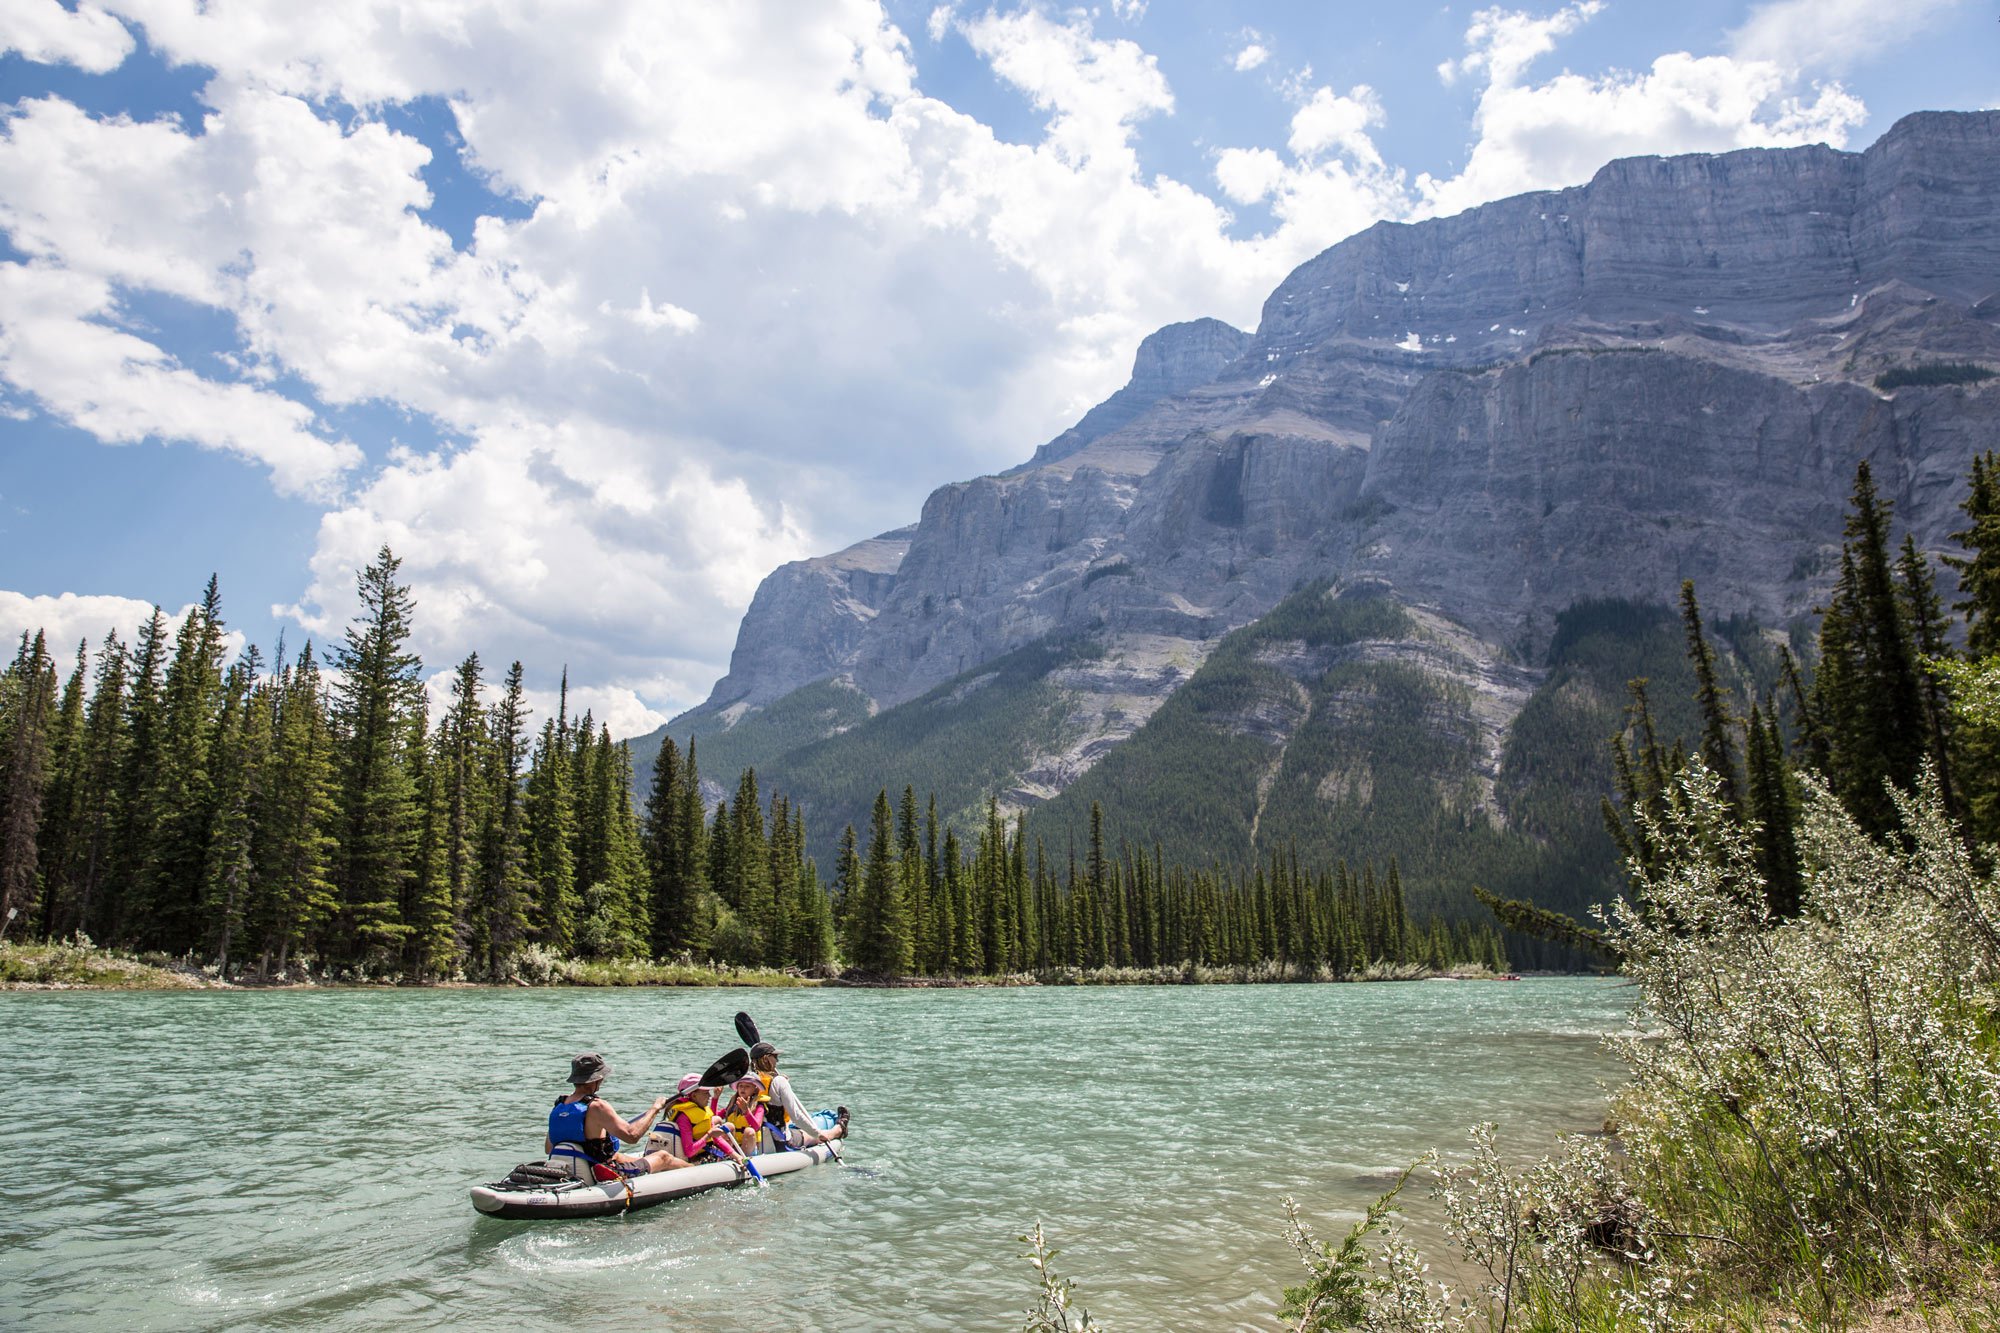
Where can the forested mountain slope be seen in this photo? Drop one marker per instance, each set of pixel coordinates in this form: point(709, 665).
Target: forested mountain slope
point(1441, 484)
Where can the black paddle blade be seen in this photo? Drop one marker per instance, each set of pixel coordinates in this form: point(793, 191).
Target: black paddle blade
point(727, 1070)
point(747, 1030)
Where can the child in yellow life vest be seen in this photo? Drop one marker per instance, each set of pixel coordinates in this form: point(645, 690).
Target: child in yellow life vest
point(746, 1113)
point(693, 1119)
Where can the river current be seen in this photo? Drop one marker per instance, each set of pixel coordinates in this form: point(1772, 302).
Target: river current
point(301, 1158)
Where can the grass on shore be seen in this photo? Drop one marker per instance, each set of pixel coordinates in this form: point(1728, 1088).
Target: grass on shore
point(68, 965)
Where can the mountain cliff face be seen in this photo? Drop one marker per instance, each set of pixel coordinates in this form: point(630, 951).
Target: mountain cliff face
point(1486, 419)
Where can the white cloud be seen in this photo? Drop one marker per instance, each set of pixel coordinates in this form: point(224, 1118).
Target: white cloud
point(47, 32)
point(1248, 175)
point(1544, 135)
point(888, 295)
point(1830, 35)
point(1502, 43)
point(68, 619)
point(1250, 57)
point(1096, 89)
point(1329, 121)
point(665, 315)
point(123, 389)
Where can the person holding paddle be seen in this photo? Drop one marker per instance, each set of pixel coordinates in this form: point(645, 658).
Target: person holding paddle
point(585, 1130)
point(692, 1116)
point(790, 1123)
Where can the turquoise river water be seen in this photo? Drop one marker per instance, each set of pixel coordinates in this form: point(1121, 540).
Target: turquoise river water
point(300, 1158)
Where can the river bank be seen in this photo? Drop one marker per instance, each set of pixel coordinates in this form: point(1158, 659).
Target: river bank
point(66, 965)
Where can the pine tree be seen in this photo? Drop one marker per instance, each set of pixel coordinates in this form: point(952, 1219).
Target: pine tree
point(1979, 569)
point(551, 837)
point(95, 804)
point(1867, 689)
point(666, 874)
point(693, 834)
point(1923, 615)
point(1772, 807)
point(183, 782)
point(296, 849)
point(505, 900)
point(27, 712)
point(378, 715)
point(242, 752)
point(847, 895)
point(137, 804)
point(883, 946)
point(62, 799)
point(1716, 724)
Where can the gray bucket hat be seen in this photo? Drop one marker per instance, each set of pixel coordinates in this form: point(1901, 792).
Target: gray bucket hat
point(589, 1067)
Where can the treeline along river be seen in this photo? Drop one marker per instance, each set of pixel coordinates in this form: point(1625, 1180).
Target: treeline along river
point(301, 1158)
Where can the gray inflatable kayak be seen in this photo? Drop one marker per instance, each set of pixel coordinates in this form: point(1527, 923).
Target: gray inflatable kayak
point(533, 1190)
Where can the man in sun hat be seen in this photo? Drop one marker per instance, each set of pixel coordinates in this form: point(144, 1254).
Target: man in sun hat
point(585, 1130)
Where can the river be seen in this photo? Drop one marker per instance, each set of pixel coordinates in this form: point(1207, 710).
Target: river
point(301, 1158)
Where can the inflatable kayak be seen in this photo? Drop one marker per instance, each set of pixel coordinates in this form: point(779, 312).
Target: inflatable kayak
point(538, 1189)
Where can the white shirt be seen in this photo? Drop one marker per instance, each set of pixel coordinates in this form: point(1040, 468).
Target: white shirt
point(788, 1101)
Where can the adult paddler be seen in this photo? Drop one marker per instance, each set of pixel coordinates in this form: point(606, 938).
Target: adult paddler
point(584, 1129)
point(789, 1122)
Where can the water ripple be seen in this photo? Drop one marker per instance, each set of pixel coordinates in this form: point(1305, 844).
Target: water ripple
point(300, 1159)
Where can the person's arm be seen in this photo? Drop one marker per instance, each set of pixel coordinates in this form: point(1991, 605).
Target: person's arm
point(636, 1131)
point(781, 1092)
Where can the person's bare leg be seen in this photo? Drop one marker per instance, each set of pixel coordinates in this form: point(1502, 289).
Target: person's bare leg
point(662, 1160)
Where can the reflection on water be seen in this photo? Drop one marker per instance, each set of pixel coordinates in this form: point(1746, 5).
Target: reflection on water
point(301, 1158)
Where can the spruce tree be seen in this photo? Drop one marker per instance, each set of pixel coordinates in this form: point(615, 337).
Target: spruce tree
point(1979, 569)
point(378, 715)
point(138, 810)
point(1716, 724)
point(296, 849)
point(27, 712)
point(884, 934)
point(847, 895)
point(241, 752)
point(504, 915)
point(666, 877)
point(551, 838)
point(62, 799)
point(183, 782)
point(1923, 614)
point(96, 802)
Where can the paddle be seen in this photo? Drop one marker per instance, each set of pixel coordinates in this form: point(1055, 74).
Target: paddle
point(746, 1028)
point(725, 1071)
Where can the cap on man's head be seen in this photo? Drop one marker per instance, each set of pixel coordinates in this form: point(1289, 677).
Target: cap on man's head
point(589, 1067)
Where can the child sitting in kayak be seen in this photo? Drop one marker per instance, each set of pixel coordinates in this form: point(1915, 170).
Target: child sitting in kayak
point(693, 1119)
point(585, 1130)
point(746, 1113)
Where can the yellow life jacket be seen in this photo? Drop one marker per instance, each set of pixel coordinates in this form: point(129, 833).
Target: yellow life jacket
point(700, 1118)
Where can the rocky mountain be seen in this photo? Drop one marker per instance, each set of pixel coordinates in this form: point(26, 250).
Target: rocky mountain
point(1487, 422)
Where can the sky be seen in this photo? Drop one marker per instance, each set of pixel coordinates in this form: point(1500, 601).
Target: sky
point(596, 311)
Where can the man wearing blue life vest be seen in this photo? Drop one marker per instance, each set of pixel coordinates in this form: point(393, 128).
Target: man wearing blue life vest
point(584, 1129)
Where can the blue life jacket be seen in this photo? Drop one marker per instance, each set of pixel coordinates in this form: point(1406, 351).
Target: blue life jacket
point(566, 1136)
point(566, 1122)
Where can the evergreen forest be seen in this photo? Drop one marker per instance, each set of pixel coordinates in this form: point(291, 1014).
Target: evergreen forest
point(315, 814)
point(310, 815)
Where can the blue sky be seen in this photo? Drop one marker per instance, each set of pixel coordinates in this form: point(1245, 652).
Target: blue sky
point(596, 311)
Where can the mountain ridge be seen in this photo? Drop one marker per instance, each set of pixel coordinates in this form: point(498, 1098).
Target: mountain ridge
point(1490, 418)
